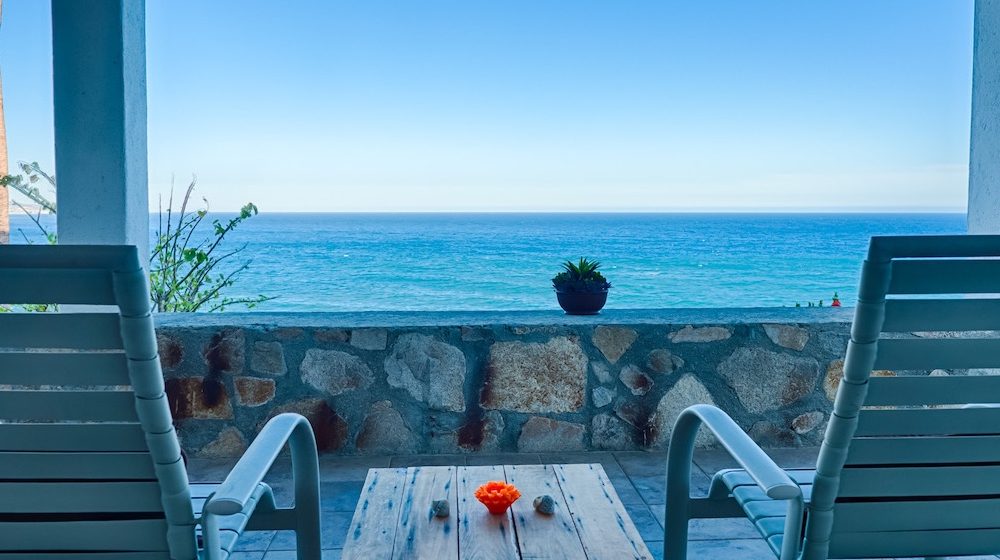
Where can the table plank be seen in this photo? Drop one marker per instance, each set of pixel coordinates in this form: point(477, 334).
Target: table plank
point(481, 535)
point(542, 536)
point(605, 528)
point(420, 534)
point(373, 528)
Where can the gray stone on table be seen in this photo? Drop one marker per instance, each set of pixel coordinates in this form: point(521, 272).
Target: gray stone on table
point(686, 392)
point(333, 372)
point(536, 377)
point(384, 431)
point(766, 380)
point(268, 358)
point(601, 373)
point(369, 339)
point(613, 342)
point(602, 396)
point(635, 380)
point(229, 443)
point(254, 391)
point(609, 432)
point(700, 334)
point(545, 434)
point(662, 360)
point(787, 336)
point(430, 370)
point(807, 422)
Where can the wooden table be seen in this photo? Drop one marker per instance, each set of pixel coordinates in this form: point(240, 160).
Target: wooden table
point(393, 519)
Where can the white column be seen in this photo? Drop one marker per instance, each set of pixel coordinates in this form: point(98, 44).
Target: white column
point(984, 151)
point(99, 76)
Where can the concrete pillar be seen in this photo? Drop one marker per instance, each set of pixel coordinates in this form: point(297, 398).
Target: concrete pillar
point(99, 78)
point(984, 151)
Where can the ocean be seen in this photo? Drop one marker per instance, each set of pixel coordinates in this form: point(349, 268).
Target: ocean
point(441, 262)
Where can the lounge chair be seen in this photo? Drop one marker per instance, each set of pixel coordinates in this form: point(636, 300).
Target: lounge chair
point(90, 465)
point(910, 464)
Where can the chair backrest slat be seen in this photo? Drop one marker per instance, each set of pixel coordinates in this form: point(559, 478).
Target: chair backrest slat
point(71, 369)
point(76, 331)
point(905, 455)
point(952, 314)
point(937, 353)
point(83, 406)
point(923, 450)
point(75, 466)
point(106, 436)
point(930, 422)
point(916, 390)
point(80, 497)
point(89, 460)
point(90, 286)
point(944, 276)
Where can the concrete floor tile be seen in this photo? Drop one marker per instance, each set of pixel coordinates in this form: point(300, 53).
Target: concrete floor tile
point(736, 549)
point(336, 469)
point(340, 496)
point(426, 460)
point(253, 555)
point(645, 522)
point(626, 492)
point(329, 554)
point(503, 459)
point(642, 463)
point(568, 458)
point(254, 540)
point(653, 489)
point(334, 531)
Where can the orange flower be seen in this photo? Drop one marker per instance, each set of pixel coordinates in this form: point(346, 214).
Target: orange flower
point(497, 496)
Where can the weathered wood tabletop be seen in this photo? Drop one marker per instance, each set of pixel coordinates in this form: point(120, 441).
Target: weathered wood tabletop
point(394, 520)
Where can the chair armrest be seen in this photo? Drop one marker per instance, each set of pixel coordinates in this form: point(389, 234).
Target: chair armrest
point(234, 494)
point(771, 478)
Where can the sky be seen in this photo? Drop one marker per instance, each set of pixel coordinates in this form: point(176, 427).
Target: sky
point(538, 105)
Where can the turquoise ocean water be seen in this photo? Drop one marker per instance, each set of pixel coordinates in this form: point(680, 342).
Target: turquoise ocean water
point(359, 262)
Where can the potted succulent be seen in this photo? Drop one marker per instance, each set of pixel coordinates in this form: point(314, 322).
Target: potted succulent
point(580, 288)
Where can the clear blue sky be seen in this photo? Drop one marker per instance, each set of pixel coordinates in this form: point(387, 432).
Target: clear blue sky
point(538, 104)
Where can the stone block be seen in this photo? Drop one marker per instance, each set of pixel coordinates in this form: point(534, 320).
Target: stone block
point(547, 435)
point(330, 428)
point(331, 335)
point(613, 342)
point(535, 377)
point(384, 432)
point(225, 352)
point(253, 391)
point(787, 336)
point(198, 397)
point(430, 370)
point(663, 361)
point(334, 372)
point(700, 334)
point(601, 373)
point(602, 396)
point(636, 380)
point(610, 433)
point(805, 423)
point(370, 339)
point(765, 380)
point(229, 443)
point(170, 349)
point(835, 372)
point(482, 434)
point(268, 358)
point(686, 392)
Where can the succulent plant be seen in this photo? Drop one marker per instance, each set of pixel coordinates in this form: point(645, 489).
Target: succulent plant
point(581, 276)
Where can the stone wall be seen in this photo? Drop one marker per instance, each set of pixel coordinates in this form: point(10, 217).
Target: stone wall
point(534, 381)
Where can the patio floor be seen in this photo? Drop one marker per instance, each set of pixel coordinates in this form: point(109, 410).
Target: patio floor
point(637, 476)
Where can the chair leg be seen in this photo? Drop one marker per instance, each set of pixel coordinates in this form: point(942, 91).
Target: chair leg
point(679, 456)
